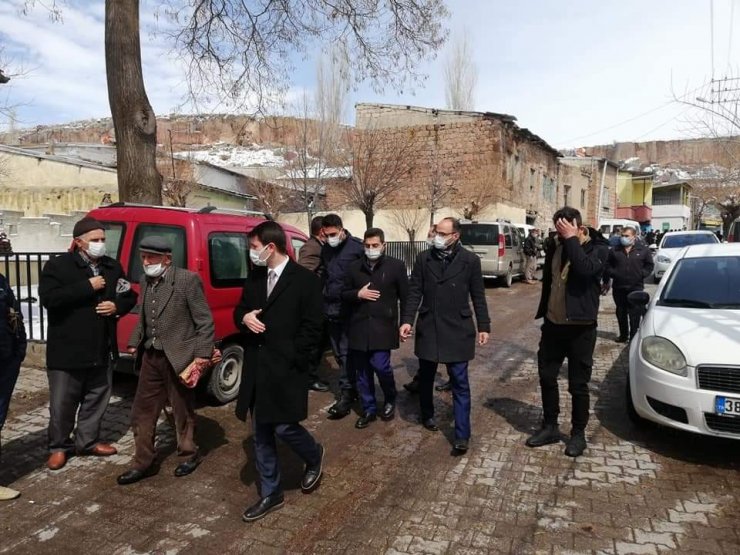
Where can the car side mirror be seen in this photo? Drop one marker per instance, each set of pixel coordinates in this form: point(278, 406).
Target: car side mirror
point(639, 298)
point(653, 247)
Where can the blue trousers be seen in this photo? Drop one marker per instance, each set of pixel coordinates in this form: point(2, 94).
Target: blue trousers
point(340, 348)
point(268, 466)
point(458, 372)
point(9, 370)
point(367, 364)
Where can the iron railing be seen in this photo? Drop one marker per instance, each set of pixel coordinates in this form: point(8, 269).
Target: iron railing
point(405, 251)
point(22, 270)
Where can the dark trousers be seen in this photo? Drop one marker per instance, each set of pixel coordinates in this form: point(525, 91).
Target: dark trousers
point(318, 355)
point(83, 392)
point(628, 315)
point(340, 347)
point(576, 342)
point(458, 372)
point(367, 365)
point(295, 436)
point(9, 370)
point(158, 383)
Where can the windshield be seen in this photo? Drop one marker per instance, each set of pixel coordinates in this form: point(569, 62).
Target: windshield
point(704, 283)
point(113, 235)
point(479, 234)
point(684, 240)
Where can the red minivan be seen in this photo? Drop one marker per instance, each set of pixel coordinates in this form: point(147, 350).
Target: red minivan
point(208, 241)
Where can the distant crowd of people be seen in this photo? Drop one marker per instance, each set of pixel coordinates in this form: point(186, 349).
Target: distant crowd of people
point(344, 293)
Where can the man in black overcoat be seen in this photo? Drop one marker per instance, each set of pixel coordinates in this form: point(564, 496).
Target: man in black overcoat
point(374, 287)
point(85, 293)
point(444, 281)
point(280, 315)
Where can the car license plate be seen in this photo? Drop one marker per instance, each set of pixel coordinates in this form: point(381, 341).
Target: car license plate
point(727, 405)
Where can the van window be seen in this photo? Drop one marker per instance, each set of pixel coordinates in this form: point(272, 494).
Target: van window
point(507, 237)
point(113, 233)
point(479, 234)
point(297, 244)
point(734, 235)
point(173, 234)
point(227, 257)
point(516, 239)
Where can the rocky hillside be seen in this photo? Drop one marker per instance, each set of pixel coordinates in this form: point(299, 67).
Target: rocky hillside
point(688, 153)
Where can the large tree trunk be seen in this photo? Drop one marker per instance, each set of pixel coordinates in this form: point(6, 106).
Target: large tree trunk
point(133, 118)
point(369, 217)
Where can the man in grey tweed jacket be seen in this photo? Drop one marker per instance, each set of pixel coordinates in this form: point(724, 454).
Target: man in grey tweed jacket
point(175, 328)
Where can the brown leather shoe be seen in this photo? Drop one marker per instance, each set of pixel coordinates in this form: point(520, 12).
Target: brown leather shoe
point(102, 450)
point(57, 460)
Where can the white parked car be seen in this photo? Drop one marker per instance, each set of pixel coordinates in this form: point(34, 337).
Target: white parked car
point(684, 362)
point(672, 242)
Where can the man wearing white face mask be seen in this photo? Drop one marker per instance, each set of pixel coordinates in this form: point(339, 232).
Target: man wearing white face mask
point(84, 292)
point(374, 288)
point(175, 329)
point(339, 251)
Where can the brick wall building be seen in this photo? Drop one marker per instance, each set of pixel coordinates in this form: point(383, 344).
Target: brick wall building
point(581, 181)
point(482, 162)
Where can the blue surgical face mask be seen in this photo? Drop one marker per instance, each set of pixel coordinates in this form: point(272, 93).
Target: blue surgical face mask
point(626, 241)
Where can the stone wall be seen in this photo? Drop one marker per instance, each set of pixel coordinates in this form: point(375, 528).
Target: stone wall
point(477, 159)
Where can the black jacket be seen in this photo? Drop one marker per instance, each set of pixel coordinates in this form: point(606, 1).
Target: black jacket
point(530, 245)
point(445, 331)
point(12, 331)
point(629, 270)
point(583, 288)
point(275, 378)
point(373, 325)
point(336, 262)
point(77, 336)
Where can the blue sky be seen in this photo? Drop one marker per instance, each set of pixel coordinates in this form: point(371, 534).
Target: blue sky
point(576, 73)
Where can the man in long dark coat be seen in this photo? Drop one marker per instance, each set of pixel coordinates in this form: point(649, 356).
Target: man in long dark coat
point(444, 281)
point(280, 315)
point(84, 292)
point(375, 286)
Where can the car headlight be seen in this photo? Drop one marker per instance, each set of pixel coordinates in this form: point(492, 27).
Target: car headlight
point(662, 259)
point(662, 353)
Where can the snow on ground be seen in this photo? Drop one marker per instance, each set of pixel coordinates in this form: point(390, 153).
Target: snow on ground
point(225, 155)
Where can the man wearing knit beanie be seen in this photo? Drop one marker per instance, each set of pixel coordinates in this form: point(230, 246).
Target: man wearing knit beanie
point(84, 292)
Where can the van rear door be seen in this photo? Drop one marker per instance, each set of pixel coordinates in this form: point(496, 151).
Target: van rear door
point(483, 240)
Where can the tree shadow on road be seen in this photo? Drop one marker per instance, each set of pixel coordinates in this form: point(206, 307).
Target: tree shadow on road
point(610, 410)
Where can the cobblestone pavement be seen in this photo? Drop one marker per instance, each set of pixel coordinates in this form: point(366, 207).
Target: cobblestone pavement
point(393, 487)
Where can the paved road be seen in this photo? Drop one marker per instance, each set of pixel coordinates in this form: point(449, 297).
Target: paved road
point(393, 487)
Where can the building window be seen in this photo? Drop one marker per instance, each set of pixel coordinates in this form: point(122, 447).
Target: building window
point(531, 180)
point(606, 202)
point(583, 198)
point(566, 195)
point(227, 256)
point(548, 189)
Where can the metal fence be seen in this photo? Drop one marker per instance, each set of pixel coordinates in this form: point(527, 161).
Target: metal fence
point(22, 270)
point(406, 251)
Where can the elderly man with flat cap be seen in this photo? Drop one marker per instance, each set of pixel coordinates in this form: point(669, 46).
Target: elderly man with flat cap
point(84, 292)
point(175, 330)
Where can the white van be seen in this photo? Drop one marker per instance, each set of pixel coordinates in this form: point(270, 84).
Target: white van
point(610, 225)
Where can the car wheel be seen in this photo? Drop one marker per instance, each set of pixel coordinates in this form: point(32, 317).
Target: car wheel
point(636, 419)
point(509, 278)
point(226, 377)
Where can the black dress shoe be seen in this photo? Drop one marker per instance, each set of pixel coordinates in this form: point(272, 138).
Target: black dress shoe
point(187, 467)
point(546, 435)
point(576, 445)
point(132, 476)
point(444, 387)
point(321, 387)
point(430, 425)
point(364, 420)
point(263, 506)
point(412, 386)
point(460, 445)
point(343, 406)
point(312, 474)
point(388, 412)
